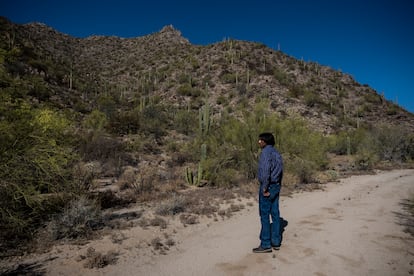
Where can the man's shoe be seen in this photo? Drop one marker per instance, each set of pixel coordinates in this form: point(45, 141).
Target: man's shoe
point(276, 247)
point(262, 250)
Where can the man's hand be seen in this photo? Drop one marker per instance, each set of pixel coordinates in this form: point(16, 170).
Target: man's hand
point(266, 193)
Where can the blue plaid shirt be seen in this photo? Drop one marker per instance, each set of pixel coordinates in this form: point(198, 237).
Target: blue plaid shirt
point(270, 169)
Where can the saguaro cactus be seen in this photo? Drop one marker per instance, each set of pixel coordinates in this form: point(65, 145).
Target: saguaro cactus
point(189, 177)
point(203, 152)
point(204, 120)
point(195, 179)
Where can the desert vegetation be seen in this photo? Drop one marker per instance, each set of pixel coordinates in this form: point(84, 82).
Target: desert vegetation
point(79, 136)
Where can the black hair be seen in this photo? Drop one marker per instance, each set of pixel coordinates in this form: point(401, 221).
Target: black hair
point(268, 138)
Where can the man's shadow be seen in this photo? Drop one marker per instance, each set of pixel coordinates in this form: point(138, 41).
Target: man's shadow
point(283, 223)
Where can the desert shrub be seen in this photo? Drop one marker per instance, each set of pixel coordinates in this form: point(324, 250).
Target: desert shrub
point(393, 143)
point(290, 180)
point(170, 242)
point(107, 104)
point(226, 177)
point(140, 143)
point(365, 160)
point(126, 122)
point(225, 155)
point(98, 260)
point(302, 168)
point(149, 120)
point(372, 97)
point(242, 137)
point(96, 121)
point(228, 78)
point(145, 181)
point(79, 218)
point(235, 208)
point(185, 121)
point(83, 175)
point(185, 90)
point(188, 219)
point(157, 243)
point(160, 246)
point(178, 158)
point(100, 147)
point(174, 205)
point(221, 100)
point(382, 142)
point(158, 221)
point(241, 89)
point(39, 89)
point(391, 110)
point(311, 98)
point(348, 142)
point(282, 77)
point(109, 199)
point(35, 165)
point(154, 120)
point(294, 138)
point(295, 91)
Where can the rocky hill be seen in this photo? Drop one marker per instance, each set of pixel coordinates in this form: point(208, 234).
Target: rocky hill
point(165, 65)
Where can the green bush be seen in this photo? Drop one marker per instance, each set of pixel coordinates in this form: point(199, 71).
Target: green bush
point(295, 91)
point(228, 78)
point(382, 142)
point(311, 98)
point(149, 120)
point(302, 168)
point(185, 90)
point(35, 165)
point(296, 139)
point(185, 121)
point(96, 121)
point(392, 143)
point(365, 160)
point(282, 77)
point(232, 149)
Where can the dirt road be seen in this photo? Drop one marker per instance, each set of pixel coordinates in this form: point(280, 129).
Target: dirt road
point(352, 227)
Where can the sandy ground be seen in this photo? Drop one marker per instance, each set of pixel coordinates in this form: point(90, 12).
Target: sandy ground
point(351, 227)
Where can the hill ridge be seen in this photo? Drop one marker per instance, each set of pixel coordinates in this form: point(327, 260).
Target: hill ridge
point(231, 69)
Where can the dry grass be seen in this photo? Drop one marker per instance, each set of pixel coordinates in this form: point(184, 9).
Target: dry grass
point(172, 206)
point(78, 220)
point(158, 221)
point(162, 247)
point(122, 220)
point(188, 219)
point(98, 260)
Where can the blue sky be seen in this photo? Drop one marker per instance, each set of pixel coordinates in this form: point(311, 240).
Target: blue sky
point(372, 40)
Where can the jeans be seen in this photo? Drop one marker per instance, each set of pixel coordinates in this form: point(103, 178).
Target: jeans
point(270, 234)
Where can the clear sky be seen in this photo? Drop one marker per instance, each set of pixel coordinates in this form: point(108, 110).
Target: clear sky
point(372, 40)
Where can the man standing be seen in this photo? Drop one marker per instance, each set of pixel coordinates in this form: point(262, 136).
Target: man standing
point(270, 174)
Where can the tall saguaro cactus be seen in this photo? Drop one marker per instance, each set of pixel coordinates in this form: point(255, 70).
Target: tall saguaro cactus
point(203, 152)
point(71, 75)
point(204, 129)
point(204, 120)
